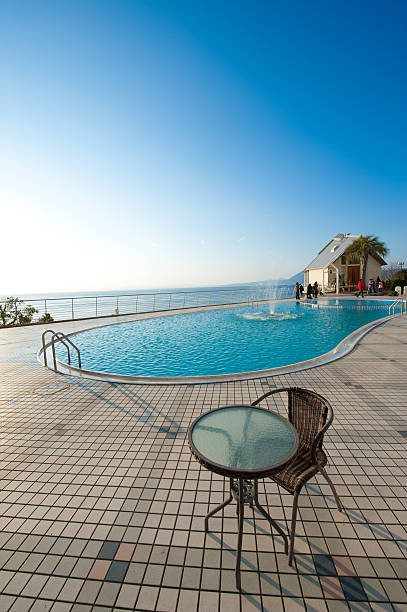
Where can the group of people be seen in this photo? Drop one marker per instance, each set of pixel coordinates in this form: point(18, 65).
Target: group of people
point(372, 287)
point(312, 290)
point(375, 287)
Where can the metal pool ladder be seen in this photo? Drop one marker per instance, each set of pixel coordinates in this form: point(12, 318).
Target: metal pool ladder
point(60, 337)
point(394, 305)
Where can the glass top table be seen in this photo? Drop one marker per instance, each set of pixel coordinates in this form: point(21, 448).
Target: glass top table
point(243, 440)
point(244, 443)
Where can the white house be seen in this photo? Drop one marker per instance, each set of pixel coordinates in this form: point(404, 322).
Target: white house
point(331, 269)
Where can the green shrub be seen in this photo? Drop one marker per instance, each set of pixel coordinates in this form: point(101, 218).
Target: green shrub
point(12, 312)
point(25, 316)
point(46, 318)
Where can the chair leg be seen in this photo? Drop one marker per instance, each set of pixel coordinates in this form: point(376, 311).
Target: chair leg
point(292, 528)
point(331, 484)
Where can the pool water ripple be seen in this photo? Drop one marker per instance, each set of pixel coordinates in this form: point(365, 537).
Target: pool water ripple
point(223, 341)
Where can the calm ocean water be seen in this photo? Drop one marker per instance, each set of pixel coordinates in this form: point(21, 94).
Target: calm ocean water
point(113, 293)
point(85, 304)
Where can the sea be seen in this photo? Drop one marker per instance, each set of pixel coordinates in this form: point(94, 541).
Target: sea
point(114, 293)
point(84, 304)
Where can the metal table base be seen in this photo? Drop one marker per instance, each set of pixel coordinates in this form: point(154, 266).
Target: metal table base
point(243, 495)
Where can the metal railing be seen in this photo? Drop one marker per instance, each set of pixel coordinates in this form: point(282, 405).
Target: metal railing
point(350, 306)
point(49, 310)
point(63, 339)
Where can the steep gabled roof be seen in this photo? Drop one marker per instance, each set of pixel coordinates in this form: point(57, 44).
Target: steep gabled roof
point(379, 259)
point(334, 249)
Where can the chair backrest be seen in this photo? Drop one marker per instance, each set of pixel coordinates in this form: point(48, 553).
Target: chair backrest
point(308, 412)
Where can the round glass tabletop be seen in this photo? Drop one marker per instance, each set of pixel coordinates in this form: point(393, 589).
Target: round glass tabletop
point(243, 438)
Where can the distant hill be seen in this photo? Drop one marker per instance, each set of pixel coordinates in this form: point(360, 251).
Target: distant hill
point(297, 278)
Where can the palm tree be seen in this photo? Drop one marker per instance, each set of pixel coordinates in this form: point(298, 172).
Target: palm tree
point(364, 246)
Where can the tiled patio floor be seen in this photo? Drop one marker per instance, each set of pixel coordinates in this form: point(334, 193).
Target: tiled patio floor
point(102, 505)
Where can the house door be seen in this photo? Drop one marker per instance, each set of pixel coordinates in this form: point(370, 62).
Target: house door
point(353, 276)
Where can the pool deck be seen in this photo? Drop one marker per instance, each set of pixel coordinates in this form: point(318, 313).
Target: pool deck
point(102, 504)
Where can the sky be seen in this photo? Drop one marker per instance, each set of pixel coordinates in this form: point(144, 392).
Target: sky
point(151, 144)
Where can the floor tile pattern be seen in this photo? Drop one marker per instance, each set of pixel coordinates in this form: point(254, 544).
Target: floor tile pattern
point(102, 504)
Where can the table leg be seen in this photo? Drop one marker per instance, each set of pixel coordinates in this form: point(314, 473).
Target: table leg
point(240, 501)
point(222, 505)
point(268, 517)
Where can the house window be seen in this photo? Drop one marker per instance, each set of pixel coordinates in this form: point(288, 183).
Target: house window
point(343, 260)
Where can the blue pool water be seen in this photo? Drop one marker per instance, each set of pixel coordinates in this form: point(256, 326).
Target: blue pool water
point(224, 341)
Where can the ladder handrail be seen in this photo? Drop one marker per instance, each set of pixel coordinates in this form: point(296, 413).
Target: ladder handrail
point(58, 336)
point(393, 305)
point(61, 337)
point(44, 350)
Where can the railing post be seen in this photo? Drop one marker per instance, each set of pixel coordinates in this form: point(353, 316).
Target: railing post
point(45, 306)
point(136, 302)
point(169, 301)
point(96, 306)
point(154, 303)
point(184, 299)
point(73, 315)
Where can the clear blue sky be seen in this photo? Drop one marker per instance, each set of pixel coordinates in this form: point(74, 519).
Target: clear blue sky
point(159, 144)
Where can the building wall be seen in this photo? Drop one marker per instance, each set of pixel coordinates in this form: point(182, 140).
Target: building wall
point(327, 277)
point(316, 275)
point(374, 269)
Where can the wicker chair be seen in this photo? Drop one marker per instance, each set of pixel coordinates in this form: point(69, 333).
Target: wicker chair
point(311, 415)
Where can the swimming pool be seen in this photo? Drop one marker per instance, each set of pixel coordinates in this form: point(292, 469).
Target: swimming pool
point(225, 341)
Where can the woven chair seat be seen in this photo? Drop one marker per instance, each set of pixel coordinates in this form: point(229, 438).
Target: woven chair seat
point(300, 469)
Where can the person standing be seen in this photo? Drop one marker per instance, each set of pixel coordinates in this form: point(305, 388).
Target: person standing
point(370, 287)
point(309, 291)
point(297, 291)
point(315, 289)
point(361, 287)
